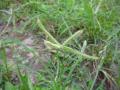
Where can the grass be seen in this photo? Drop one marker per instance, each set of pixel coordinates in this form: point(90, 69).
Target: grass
point(82, 37)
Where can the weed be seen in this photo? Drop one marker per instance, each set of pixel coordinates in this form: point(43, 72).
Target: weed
point(82, 37)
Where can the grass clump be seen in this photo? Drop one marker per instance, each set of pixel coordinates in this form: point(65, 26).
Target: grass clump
point(81, 36)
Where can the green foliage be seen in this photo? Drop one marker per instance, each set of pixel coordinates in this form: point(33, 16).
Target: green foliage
point(84, 41)
point(4, 4)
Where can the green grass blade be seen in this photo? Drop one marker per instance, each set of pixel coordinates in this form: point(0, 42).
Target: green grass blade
point(4, 58)
point(30, 83)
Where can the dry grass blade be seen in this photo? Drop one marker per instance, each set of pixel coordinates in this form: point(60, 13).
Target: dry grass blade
point(109, 77)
